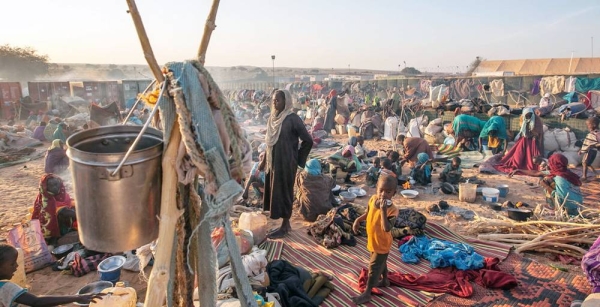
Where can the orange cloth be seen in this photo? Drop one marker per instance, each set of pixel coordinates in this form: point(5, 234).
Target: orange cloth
point(493, 142)
point(378, 240)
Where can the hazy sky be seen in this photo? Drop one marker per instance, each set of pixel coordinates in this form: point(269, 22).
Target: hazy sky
point(377, 34)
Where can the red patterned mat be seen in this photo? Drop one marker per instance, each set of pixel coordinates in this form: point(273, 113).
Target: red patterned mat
point(539, 285)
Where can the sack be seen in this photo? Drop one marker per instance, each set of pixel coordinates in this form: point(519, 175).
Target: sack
point(390, 129)
point(28, 237)
point(565, 138)
point(432, 129)
point(550, 142)
point(573, 157)
point(339, 119)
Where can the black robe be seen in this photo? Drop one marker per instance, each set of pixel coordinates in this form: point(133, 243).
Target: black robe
point(279, 182)
point(329, 123)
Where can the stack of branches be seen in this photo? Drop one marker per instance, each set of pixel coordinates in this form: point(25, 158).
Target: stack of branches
point(564, 238)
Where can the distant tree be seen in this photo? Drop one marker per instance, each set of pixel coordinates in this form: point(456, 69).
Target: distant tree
point(410, 71)
point(473, 66)
point(116, 74)
point(21, 63)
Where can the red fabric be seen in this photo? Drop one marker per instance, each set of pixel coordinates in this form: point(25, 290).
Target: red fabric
point(559, 167)
point(450, 280)
point(362, 282)
point(332, 93)
point(520, 156)
point(404, 240)
point(47, 205)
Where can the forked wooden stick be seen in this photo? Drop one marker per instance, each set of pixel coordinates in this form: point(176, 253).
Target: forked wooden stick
point(159, 277)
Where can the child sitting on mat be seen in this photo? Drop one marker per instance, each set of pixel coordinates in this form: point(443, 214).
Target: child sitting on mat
point(380, 216)
point(11, 294)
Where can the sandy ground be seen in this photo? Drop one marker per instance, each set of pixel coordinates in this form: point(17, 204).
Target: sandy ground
point(19, 187)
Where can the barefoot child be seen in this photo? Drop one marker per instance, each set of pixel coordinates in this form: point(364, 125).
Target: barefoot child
point(379, 238)
point(12, 295)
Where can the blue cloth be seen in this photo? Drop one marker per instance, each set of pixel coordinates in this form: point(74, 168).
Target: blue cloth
point(575, 107)
point(467, 122)
point(313, 167)
point(441, 253)
point(352, 141)
point(494, 123)
point(565, 189)
point(584, 85)
point(422, 158)
point(571, 97)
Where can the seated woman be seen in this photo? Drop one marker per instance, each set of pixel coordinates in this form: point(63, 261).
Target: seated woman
point(344, 162)
point(412, 147)
point(421, 173)
point(313, 191)
point(60, 132)
point(494, 133)
point(53, 208)
point(452, 173)
point(465, 129)
point(562, 186)
point(38, 133)
point(56, 158)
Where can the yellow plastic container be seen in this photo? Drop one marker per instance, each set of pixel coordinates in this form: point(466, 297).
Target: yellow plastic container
point(20, 278)
point(467, 192)
point(118, 296)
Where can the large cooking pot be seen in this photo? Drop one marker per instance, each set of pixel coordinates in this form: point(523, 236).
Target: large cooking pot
point(117, 212)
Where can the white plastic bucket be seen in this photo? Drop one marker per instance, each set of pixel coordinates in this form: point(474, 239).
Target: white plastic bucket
point(490, 194)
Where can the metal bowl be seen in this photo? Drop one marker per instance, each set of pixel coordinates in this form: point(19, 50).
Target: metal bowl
point(93, 288)
point(357, 191)
point(496, 206)
point(111, 264)
point(347, 196)
point(61, 251)
point(409, 193)
point(519, 214)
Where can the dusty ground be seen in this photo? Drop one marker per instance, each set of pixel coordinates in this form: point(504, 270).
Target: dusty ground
point(19, 186)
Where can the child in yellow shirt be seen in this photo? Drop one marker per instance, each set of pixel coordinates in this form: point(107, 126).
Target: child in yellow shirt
point(379, 238)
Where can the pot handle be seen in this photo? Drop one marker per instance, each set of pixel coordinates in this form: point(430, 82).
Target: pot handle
point(139, 137)
point(111, 174)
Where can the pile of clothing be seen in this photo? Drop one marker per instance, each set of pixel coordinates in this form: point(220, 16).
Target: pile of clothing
point(334, 228)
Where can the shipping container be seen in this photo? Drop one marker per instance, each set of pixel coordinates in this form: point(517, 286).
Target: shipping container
point(10, 94)
point(131, 89)
point(98, 92)
point(45, 90)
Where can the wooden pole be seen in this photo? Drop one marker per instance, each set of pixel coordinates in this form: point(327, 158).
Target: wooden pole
point(146, 47)
point(208, 28)
point(160, 275)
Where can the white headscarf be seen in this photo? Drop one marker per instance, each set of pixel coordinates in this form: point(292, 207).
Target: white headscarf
point(274, 127)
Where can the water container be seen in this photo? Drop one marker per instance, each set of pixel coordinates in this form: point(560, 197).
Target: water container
point(490, 194)
point(19, 277)
point(117, 296)
point(256, 223)
point(503, 190)
point(467, 192)
point(352, 130)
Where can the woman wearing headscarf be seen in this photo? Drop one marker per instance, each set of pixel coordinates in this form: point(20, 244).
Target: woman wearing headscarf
point(494, 134)
point(344, 162)
point(53, 208)
point(527, 147)
point(331, 111)
point(313, 191)
point(38, 133)
point(421, 173)
point(56, 158)
point(59, 133)
point(282, 157)
point(466, 127)
point(412, 146)
point(562, 186)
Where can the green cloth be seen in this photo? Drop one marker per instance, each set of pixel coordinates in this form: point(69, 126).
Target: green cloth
point(494, 123)
point(467, 122)
point(565, 189)
point(583, 85)
point(58, 134)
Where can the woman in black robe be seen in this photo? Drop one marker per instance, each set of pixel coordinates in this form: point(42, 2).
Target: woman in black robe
point(331, 111)
point(283, 156)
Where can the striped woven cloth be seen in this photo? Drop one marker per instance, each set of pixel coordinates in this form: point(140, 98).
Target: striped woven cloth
point(344, 264)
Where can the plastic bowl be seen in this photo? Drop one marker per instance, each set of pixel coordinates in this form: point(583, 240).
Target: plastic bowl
point(357, 191)
point(409, 193)
point(347, 196)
